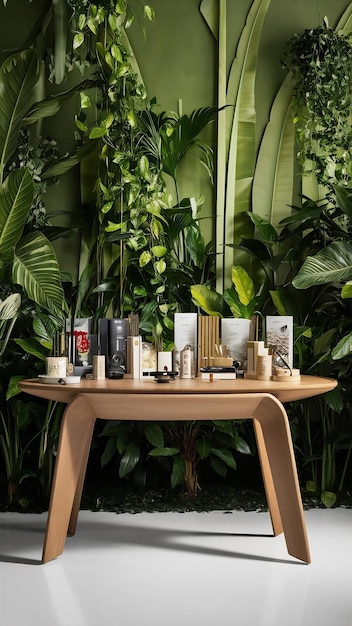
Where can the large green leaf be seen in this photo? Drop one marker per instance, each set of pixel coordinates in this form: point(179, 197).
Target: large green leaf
point(8, 312)
point(65, 164)
point(344, 199)
point(60, 24)
point(35, 267)
point(109, 452)
point(178, 471)
point(241, 445)
point(322, 344)
point(274, 172)
point(332, 264)
point(215, 14)
point(154, 434)
point(203, 447)
point(129, 459)
point(243, 284)
point(165, 451)
point(16, 196)
point(207, 299)
point(346, 291)
point(226, 456)
point(18, 76)
point(84, 286)
point(335, 400)
point(10, 307)
point(345, 22)
point(343, 348)
point(236, 150)
point(45, 108)
point(210, 11)
point(242, 146)
point(282, 301)
point(265, 229)
point(32, 346)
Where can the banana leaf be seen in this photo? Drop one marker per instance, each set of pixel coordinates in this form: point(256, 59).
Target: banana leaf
point(242, 146)
point(210, 11)
point(215, 14)
point(274, 172)
point(236, 131)
point(60, 26)
point(345, 22)
point(16, 196)
point(18, 77)
point(35, 267)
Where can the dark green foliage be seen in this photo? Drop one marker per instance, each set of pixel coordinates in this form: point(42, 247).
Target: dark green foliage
point(321, 62)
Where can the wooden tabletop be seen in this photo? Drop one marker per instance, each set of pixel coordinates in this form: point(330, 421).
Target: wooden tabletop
point(286, 391)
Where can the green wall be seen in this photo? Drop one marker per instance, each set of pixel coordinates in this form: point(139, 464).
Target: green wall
point(178, 62)
point(178, 57)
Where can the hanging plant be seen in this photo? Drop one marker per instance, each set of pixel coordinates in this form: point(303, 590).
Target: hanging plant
point(320, 60)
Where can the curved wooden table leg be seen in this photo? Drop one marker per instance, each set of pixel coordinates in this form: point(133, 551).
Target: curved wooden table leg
point(80, 483)
point(280, 475)
point(269, 487)
point(75, 437)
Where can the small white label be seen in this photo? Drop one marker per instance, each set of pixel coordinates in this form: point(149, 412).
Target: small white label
point(98, 366)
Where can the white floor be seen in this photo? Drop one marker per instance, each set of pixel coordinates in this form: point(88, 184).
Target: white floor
point(168, 569)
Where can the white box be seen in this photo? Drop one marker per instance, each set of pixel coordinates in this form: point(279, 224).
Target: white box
point(185, 333)
point(134, 356)
point(218, 375)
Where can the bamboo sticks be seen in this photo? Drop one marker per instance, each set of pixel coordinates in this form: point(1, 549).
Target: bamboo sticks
point(208, 338)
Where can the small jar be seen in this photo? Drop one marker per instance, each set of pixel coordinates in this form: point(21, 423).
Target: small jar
point(264, 366)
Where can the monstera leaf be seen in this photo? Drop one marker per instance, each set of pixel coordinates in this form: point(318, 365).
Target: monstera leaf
point(35, 267)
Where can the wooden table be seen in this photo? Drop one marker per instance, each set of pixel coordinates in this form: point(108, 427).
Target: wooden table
point(180, 400)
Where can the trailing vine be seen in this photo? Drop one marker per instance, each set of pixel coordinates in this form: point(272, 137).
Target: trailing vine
point(137, 227)
point(320, 60)
point(128, 191)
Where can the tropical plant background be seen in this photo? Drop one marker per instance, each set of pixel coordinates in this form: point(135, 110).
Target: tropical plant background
point(125, 190)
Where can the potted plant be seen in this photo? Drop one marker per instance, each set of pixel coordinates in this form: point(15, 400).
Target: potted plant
point(320, 62)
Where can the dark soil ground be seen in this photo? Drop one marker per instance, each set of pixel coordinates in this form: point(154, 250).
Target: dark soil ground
point(106, 492)
point(127, 498)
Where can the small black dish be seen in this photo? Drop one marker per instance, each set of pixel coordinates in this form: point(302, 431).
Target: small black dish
point(163, 378)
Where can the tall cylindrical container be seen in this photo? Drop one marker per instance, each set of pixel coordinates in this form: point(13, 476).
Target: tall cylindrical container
point(187, 362)
point(264, 366)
